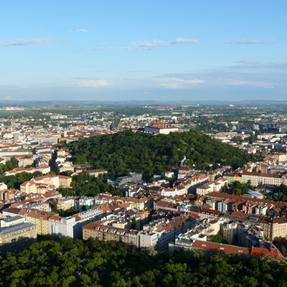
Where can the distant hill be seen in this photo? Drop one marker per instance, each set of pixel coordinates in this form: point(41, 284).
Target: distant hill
point(127, 151)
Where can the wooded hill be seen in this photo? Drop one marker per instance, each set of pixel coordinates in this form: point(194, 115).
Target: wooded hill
point(137, 152)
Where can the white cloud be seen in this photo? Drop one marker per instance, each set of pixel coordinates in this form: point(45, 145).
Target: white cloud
point(93, 83)
point(23, 42)
point(180, 83)
point(250, 42)
point(154, 44)
point(147, 45)
point(82, 30)
point(181, 41)
point(257, 84)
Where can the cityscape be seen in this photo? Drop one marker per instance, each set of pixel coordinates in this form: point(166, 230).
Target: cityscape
point(148, 178)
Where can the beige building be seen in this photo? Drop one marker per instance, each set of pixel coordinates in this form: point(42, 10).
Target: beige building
point(25, 160)
point(39, 218)
point(232, 177)
point(274, 228)
point(108, 233)
point(65, 203)
point(256, 179)
point(97, 172)
point(213, 186)
point(45, 183)
point(8, 195)
point(14, 229)
point(3, 186)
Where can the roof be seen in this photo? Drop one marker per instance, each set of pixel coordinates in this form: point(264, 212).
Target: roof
point(232, 249)
point(16, 227)
point(229, 249)
point(261, 174)
point(240, 198)
point(12, 218)
point(259, 251)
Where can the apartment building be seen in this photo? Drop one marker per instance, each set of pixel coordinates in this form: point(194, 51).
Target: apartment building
point(3, 186)
point(241, 239)
point(256, 179)
point(155, 235)
point(25, 160)
point(213, 186)
point(39, 218)
point(272, 214)
point(72, 226)
point(14, 230)
point(109, 233)
point(45, 183)
point(225, 202)
point(160, 128)
point(274, 228)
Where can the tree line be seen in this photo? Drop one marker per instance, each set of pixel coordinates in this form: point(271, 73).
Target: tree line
point(76, 263)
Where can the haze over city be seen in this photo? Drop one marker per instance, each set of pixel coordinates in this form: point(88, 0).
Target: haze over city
point(143, 51)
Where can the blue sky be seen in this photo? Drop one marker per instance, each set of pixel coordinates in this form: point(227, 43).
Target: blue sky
point(143, 50)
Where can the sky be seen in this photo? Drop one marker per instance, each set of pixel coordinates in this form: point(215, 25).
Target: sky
point(155, 50)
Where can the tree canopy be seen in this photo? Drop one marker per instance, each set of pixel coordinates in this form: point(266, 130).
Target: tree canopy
point(14, 181)
point(85, 185)
point(237, 188)
point(137, 152)
point(10, 164)
point(74, 263)
point(278, 194)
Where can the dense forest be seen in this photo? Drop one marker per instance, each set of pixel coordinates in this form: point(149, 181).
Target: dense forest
point(77, 263)
point(126, 151)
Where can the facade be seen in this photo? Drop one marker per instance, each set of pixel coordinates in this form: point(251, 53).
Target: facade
point(155, 235)
point(45, 183)
point(213, 186)
point(160, 128)
point(25, 160)
point(72, 226)
point(108, 233)
point(3, 186)
point(256, 179)
point(274, 228)
point(65, 203)
point(97, 172)
point(15, 229)
point(38, 218)
point(241, 239)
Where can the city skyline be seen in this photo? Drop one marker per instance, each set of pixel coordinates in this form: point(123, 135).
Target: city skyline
point(163, 51)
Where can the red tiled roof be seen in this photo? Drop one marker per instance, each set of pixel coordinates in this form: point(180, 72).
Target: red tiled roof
point(229, 249)
point(232, 249)
point(273, 252)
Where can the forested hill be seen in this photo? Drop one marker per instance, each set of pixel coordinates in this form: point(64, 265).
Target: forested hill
point(126, 151)
point(76, 263)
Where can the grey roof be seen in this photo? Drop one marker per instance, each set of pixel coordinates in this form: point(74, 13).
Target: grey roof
point(16, 227)
point(12, 218)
